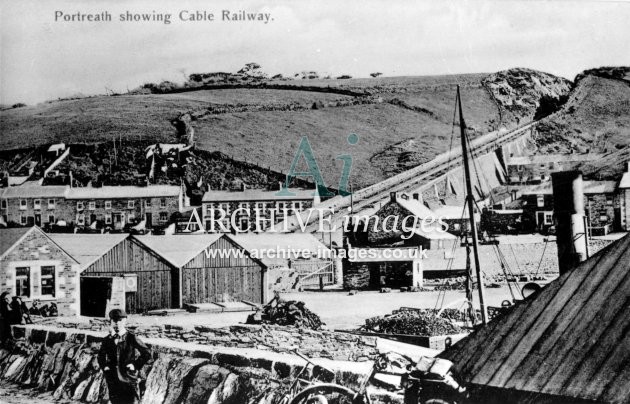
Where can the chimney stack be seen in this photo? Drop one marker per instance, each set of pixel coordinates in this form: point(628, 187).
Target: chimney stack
point(568, 207)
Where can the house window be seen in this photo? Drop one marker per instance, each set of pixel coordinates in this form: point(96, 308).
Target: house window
point(108, 218)
point(51, 204)
point(37, 204)
point(297, 205)
point(79, 205)
point(226, 208)
point(4, 204)
point(540, 201)
point(92, 205)
point(108, 204)
point(609, 200)
point(48, 281)
point(603, 218)
point(548, 218)
point(22, 204)
point(162, 203)
point(131, 217)
point(147, 203)
point(23, 281)
point(51, 219)
point(163, 216)
point(131, 204)
point(81, 219)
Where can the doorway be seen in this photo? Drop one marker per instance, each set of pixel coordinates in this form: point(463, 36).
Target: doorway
point(95, 291)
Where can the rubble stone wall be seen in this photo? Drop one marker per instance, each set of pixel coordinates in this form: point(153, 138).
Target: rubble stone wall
point(314, 344)
point(64, 362)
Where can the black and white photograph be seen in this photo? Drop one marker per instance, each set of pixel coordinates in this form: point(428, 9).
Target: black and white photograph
point(314, 202)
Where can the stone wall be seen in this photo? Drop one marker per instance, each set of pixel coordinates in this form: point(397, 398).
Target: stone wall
point(34, 251)
point(64, 363)
point(280, 339)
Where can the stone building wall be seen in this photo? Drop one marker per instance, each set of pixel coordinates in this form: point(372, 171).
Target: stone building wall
point(35, 251)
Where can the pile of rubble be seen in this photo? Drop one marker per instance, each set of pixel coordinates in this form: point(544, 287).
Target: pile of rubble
point(412, 322)
point(280, 312)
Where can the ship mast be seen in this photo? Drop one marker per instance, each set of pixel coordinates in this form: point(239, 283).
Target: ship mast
point(470, 201)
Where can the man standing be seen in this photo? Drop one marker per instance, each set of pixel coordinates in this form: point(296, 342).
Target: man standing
point(121, 357)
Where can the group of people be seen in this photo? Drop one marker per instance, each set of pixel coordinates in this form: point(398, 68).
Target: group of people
point(14, 311)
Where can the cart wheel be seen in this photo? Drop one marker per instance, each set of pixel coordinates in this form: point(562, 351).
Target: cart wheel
point(330, 393)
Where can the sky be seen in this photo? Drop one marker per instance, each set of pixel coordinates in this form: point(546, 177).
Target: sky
point(43, 59)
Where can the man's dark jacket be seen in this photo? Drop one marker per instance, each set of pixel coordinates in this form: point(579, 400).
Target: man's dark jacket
point(119, 356)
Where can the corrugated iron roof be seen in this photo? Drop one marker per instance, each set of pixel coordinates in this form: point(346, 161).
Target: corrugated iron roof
point(257, 195)
point(572, 340)
point(87, 248)
point(179, 249)
point(121, 192)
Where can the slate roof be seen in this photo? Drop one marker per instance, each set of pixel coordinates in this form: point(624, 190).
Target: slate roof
point(257, 195)
point(122, 192)
point(8, 237)
point(35, 191)
point(571, 341)
point(283, 242)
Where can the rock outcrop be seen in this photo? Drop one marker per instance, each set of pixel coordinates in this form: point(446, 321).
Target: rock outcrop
point(519, 91)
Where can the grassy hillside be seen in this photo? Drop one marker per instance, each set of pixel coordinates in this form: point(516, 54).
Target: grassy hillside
point(401, 121)
point(595, 119)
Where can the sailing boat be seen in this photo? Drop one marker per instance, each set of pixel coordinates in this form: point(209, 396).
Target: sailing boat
point(473, 228)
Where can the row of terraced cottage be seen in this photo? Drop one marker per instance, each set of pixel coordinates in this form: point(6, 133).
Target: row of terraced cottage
point(116, 208)
point(89, 274)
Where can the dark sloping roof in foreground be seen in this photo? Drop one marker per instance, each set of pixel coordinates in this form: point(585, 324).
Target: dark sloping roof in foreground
point(572, 340)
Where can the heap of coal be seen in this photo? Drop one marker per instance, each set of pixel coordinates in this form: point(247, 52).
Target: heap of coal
point(292, 312)
point(411, 322)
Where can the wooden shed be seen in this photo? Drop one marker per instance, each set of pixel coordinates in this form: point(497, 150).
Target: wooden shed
point(209, 268)
point(103, 264)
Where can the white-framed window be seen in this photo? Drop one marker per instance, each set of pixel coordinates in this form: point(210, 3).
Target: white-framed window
point(92, 205)
point(23, 281)
point(603, 218)
point(37, 204)
point(51, 203)
point(540, 201)
point(23, 219)
point(4, 204)
point(81, 219)
point(47, 277)
point(225, 207)
point(80, 206)
point(609, 200)
point(131, 216)
point(22, 204)
point(108, 204)
point(108, 218)
point(131, 204)
point(51, 218)
point(147, 203)
point(163, 203)
point(548, 218)
point(163, 216)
